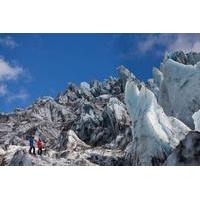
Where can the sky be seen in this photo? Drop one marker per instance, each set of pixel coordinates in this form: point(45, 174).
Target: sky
point(35, 65)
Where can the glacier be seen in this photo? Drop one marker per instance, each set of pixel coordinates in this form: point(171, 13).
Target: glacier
point(118, 121)
point(84, 125)
point(196, 118)
point(179, 92)
point(154, 133)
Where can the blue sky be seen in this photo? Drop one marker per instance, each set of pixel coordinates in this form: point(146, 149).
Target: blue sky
point(34, 65)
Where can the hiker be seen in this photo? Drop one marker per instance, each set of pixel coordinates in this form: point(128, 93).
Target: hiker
point(40, 146)
point(32, 142)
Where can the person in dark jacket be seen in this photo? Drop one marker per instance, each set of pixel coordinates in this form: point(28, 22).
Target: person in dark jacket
point(32, 145)
point(32, 141)
point(40, 146)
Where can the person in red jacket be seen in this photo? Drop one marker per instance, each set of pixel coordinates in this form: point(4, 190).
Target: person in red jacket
point(40, 146)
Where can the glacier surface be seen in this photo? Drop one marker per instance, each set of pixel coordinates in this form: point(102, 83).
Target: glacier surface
point(179, 93)
point(118, 121)
point(154, 133)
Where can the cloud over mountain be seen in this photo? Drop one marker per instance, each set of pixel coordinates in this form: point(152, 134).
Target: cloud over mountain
point(170, 42)
point(10, 72)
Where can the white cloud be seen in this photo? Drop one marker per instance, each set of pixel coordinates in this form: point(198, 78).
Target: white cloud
point(3, 90)
point(8, 72)
point(8, 41)
point(170, 42)
point(22, 95)
point(186, 43)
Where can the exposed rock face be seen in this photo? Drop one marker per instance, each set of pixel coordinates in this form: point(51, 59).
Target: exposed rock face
point(155, 135)
point(187, 152)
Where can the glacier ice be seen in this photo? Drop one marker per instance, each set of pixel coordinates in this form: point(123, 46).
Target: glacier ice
point(179, 93)
point(84, 125)
point(154, 133)
point(153, 87)
point(85, 88)
point(157, 76)
point(154, 83)
point(196, 118)
point(119, 121)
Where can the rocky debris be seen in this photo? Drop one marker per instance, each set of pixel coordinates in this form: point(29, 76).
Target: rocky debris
point(16, 156)
point(108, 158)
point(96, 122)
point(21, 158)
point(76, 154)
point(101, 125)
point(191, 58)
point(4, 118)
point(92, 115)
point(187, 153)
point(68, 139)
point(155, 134)
point(48, 109)
point(2, 154)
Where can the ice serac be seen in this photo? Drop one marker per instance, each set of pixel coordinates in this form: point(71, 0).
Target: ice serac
point(187, 153)
point(125, 75)
point(85, 89)
point(179, 93)
point(118, 123)
point(154, 83)
point(155, 134)
point(157, 76)
point(196, 118)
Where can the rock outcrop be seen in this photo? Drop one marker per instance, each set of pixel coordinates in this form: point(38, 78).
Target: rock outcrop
point(187, 153)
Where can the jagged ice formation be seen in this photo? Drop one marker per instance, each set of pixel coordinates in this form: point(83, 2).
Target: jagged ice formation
point(119, 121)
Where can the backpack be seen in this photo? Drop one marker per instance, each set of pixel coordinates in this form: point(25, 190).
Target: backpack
point(40, 144)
